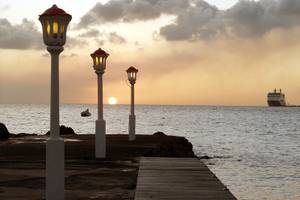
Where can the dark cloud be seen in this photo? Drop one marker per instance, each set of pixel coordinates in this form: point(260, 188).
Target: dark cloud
point(197, 19)
point(69, 56)
point(244, 19)
point(111, 11)
point(19, 36)
point(131, 10)
point(90, 33)
point(74, 42)
point(114, 38)
point(200, 20)
point(26, 36)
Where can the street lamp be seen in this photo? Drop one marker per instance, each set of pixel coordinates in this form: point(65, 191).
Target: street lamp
point(99, 60)
point(54, 22)
point(131, 73)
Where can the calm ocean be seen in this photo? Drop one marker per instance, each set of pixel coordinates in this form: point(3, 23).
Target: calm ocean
point(255, 150)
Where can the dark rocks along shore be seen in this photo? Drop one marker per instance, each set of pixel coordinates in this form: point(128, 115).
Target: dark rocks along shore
point(22, 164)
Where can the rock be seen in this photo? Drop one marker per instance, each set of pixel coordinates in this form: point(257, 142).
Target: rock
point(66, 130)
point(23, 135)
point(159, 134)
point(63, 130)
point(4, 134)
point(176, 147)
point(205, 157)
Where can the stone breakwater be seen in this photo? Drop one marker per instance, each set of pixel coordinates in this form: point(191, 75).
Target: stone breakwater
point(22, 165)
point(82, 146)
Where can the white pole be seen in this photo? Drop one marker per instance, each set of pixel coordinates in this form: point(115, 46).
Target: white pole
point(100, 96)
point(132, 99)
point(132, 117)
point(55, 155)
point(100, 140)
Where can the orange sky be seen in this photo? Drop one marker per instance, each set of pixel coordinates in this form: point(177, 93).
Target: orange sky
point(219, 70)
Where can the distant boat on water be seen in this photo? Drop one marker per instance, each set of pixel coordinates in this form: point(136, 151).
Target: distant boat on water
point(85, 113)
point(276, 98)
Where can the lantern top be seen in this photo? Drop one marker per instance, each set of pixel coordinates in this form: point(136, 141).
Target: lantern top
point(54, 10)
point(132, 69)
point(99, 52)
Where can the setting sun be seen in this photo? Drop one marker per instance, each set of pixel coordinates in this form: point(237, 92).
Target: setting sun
point(112, 100)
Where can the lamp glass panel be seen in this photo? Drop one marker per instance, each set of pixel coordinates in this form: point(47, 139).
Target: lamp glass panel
point(132, 76)
point(97, 60)
point(48, 27)
point(62, 28)
point(128, 74)
point(55, 27)
point(100, 60)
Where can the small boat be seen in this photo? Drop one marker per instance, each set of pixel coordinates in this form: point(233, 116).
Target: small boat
point(86, 113)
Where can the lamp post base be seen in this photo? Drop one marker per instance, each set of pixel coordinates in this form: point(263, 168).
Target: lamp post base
point(131, 127)
point(55, 164)
point(100, 139)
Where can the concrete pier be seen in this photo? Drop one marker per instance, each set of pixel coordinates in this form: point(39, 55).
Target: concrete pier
point(163, 178)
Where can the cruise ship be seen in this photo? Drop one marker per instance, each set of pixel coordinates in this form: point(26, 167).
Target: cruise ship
point(276, 98)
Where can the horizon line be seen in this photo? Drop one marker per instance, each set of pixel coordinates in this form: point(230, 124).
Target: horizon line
point(106, 104)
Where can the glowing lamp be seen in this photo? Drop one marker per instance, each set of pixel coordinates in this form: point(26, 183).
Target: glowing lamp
point(99, 59)
point(55, 22)
point(131, 73)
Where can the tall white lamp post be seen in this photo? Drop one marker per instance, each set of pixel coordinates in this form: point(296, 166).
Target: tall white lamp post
point(99, 60)
point(132, 73)
point(55, 22)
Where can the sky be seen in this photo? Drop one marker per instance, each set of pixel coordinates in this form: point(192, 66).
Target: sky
point(188, 52)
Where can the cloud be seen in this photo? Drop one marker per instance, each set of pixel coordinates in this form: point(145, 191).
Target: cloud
point(46, 55)
point(197, 19)
point(100, 42)
point(245, 19)
point(4, 7)
point(90, 33)
point(26, 36)
point(131, 10)
point(74, 42)
point(19, 36)
point(201, 20)
point(114, 38)
point(69, 56)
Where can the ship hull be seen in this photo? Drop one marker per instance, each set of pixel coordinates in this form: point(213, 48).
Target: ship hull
point(276, 103)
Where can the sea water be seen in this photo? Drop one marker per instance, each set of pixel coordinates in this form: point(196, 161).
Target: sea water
point(255, 150)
